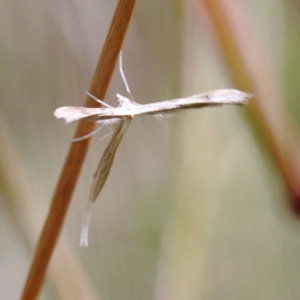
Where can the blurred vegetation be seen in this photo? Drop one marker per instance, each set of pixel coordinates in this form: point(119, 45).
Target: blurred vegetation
point(195, 207)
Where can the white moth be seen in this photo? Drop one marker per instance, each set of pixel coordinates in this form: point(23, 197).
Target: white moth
point(128, 108)
point(123, 115)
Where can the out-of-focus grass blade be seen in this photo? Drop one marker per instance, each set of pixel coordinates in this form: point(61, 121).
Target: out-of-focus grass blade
point(250, 70)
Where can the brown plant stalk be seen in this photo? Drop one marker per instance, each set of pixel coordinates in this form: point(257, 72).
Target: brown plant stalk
point(251, 72)
point(25, 211)
point(77, 152)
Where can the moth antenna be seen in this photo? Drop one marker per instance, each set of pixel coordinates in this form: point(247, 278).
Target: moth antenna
point(84, 236)
point(123, 76)
point(98, 100)
point(87, 135)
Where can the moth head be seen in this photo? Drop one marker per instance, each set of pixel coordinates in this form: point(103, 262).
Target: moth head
point(125, 102)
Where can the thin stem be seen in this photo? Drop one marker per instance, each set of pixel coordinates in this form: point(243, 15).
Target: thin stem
point(71, 170)
point(251, 72)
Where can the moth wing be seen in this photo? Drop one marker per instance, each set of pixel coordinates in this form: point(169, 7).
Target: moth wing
point(75, 113)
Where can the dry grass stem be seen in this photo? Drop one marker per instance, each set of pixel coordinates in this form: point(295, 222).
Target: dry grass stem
point(27, 214)
point(77, 152)
point(251, 71)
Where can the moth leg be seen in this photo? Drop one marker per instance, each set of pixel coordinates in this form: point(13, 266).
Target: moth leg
point(84, 241)
point(98, 100)
point(123, 76)
point(102, 138)
point(87, 135)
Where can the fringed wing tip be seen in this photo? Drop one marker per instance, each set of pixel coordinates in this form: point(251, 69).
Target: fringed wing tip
point(241, 98)
point(230, 96)
point(69, 113)
point(246, 98)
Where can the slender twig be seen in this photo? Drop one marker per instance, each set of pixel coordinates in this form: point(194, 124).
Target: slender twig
point(71, 170)
point(21, 193)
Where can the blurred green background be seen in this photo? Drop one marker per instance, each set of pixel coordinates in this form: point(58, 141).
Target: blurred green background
point(193, 208)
